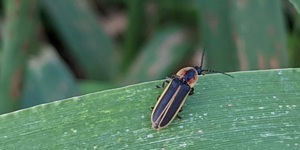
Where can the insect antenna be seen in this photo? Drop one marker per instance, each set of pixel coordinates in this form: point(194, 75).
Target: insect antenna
point(200, 70)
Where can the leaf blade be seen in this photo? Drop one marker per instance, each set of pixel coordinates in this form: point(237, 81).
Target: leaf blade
point(256, 109)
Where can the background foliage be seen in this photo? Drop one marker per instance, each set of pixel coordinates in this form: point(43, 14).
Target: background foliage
point(78, 47)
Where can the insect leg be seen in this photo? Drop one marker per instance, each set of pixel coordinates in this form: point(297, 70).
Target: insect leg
point(192, 91)
point(178, 114)
point(164, 83)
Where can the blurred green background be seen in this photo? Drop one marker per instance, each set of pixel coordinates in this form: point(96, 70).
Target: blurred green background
point(56, 49)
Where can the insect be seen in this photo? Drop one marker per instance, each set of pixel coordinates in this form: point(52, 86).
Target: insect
point(170, 102)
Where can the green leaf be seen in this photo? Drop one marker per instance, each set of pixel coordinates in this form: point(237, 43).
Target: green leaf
point(243, 38)
point(253, 110)
point(296, 4)
point(162, 54)
point(134, 33)
point(47, 79)
point(20, 36)
point(78, 28)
